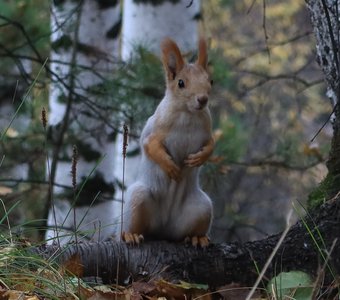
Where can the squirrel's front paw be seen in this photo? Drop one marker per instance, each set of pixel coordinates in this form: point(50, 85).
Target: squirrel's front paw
point(196, 159)
point(172, 170)
point(132, 238)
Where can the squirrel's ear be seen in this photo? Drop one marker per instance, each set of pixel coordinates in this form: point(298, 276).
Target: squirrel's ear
point(202, 59)
point(172, 58)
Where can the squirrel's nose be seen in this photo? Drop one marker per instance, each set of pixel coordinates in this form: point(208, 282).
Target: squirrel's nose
point(202, 100)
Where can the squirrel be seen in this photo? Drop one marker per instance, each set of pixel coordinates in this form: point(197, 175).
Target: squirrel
point(166, 201)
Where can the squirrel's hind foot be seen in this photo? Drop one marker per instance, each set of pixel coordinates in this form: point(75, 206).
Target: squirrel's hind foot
point(201, 241)
point(132, 238)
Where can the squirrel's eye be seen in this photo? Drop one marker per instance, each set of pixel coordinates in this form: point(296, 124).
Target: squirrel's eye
point(181, 84)
point(211, 82)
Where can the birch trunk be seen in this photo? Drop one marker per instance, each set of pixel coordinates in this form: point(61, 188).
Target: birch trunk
point(146, 24)
point(14, 124)
point(84, 45)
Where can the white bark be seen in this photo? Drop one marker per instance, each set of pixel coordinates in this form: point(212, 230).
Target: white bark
point(145, 24)
point(18, 122)
point(94, 58)
point(14, 124)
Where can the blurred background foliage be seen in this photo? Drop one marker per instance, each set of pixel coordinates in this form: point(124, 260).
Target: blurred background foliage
point(268, 102)
point(269, 108)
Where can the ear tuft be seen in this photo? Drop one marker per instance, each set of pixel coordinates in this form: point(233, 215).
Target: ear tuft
point(202, 59)
point(172, 58)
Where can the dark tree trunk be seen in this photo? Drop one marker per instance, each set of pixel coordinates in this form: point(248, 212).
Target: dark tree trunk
point(325, 21)
point(218, 264)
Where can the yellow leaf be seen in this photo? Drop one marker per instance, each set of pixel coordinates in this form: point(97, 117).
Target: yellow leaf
point(4, 190)
point(218, 133)
point(12, 133)
point(6, 255)
point(312, 150)
point(74, 266)
point(14, 295)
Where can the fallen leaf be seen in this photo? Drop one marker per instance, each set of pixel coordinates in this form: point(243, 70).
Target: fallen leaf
point(4, 190)
point(217, 134)
point(312, 150)
point(11, 132)
point(16, 295)
point(146, 288)
point(183, 290)
point(293, 284)
point(73, 266)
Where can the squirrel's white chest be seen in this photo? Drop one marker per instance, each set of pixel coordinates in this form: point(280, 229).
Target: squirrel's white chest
point(187, 136)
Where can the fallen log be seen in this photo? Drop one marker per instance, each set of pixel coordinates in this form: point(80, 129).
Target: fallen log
point(307, 246)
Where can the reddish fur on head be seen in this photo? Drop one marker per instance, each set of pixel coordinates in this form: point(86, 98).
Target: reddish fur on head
point(189, 84)
point(173, 61)
point(202, 59)
point(172, 58)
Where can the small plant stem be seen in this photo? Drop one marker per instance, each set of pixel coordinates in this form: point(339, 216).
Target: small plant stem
point(74, 184)
point(7, 219)
point(314, 239)
point(321, 272)
point(125, 144)
point(44, 122)
point(75, 151)
point(52, 204)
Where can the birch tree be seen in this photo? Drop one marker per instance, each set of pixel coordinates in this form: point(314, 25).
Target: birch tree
point(13, 124)
point(84, 47)
point(19, 65)
point(145, 24)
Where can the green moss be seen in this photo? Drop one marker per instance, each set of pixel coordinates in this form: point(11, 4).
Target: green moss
point(321, 193)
